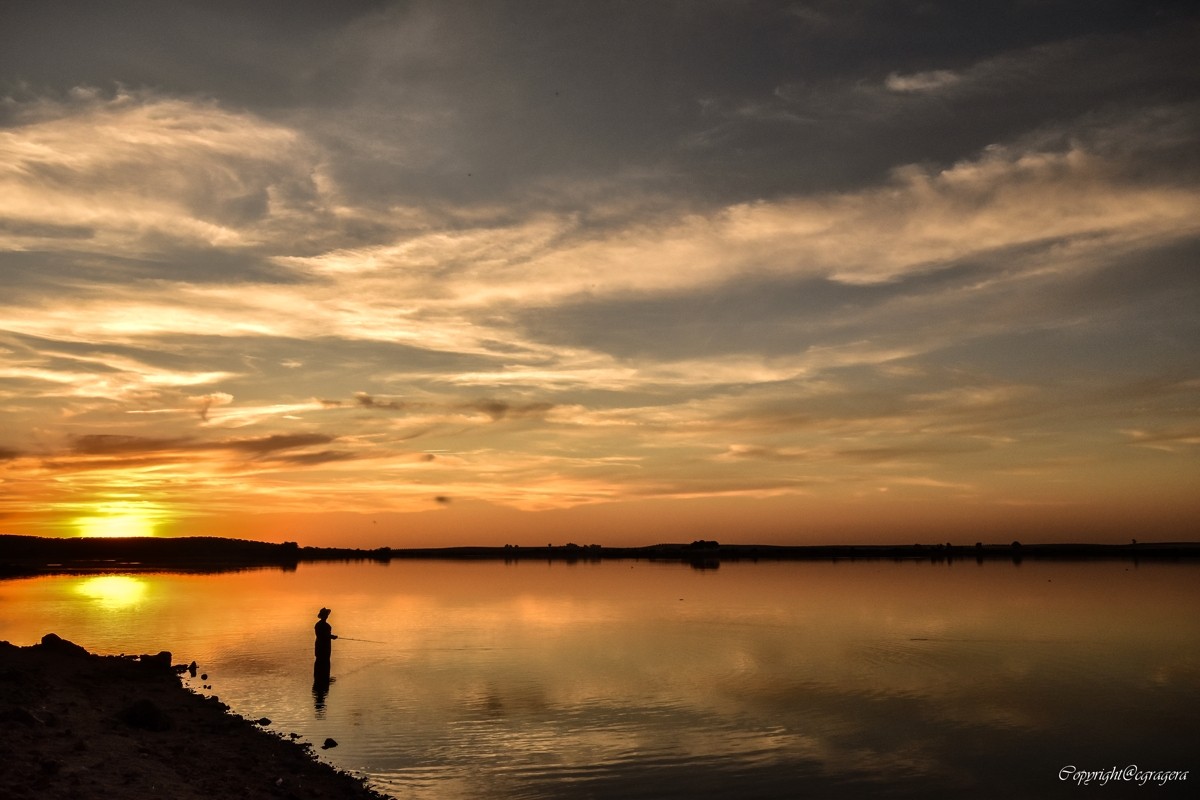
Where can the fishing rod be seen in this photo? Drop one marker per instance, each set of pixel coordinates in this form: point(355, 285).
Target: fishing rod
point(423, 649)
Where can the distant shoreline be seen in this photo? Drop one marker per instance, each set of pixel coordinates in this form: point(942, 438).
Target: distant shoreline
point(26, 556)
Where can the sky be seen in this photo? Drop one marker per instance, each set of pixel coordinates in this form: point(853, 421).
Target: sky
point(444, 273)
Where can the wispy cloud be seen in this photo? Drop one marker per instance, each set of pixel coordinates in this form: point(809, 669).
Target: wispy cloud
point(922, 81)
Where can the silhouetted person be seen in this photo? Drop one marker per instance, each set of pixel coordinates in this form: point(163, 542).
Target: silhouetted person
point(324, 647)
point(325, 635)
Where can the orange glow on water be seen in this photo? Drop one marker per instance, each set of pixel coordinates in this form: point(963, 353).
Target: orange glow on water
point(113, 591)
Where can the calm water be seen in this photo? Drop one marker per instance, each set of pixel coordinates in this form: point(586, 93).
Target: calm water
point(633, 679)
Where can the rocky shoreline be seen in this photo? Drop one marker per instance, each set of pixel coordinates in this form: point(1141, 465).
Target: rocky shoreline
point(89, 727)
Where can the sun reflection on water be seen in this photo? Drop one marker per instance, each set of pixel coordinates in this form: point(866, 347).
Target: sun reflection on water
point(113, 591)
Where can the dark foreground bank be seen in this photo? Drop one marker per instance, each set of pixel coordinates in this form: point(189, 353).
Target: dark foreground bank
point(87, 727)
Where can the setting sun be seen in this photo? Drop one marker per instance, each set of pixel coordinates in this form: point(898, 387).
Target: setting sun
point(119, 520)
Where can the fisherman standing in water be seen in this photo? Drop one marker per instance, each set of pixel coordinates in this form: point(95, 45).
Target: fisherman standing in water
point(325, 635)
point(324, 648)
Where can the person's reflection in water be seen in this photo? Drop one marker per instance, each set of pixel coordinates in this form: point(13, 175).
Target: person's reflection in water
point(324, 648)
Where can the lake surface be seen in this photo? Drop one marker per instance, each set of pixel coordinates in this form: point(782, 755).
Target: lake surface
point(636, 679)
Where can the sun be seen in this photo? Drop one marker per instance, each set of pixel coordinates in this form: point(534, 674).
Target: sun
point(120, 520)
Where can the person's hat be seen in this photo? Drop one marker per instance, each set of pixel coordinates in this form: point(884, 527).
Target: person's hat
point(324, 612)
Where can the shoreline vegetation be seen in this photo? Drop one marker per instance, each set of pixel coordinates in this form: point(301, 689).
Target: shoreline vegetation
point(87, 727)
point(27, 556)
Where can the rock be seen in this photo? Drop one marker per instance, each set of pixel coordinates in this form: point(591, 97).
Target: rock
point(57, 644)
point(192, 669)
point(146, 715)
point(328, 744)
point(161, 660)
point(264, 722)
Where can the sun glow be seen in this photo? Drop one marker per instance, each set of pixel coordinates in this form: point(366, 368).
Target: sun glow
point(120, 520)
point(113, 591)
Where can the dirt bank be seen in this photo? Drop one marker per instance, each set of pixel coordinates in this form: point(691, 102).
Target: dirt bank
point(88, 727)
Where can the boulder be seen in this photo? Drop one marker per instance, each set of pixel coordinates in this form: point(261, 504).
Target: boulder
point(56, 644)
point(161, 660)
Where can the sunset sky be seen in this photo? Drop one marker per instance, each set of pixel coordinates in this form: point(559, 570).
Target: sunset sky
point(424, 273)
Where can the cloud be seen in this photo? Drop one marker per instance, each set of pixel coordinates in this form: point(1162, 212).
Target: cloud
point(123, 444)
point(455, 291)
point(269, 444)
point(1174, 439)
point(922, 81)
point(499, 409)
point(103, 444)
point(921, 219)
point(365, 400)
point(208, 401)
point(136, 174)
point(317, 458)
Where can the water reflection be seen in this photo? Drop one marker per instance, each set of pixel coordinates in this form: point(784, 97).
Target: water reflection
point(320, 689)
point(112, 591)
point(628, 679)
